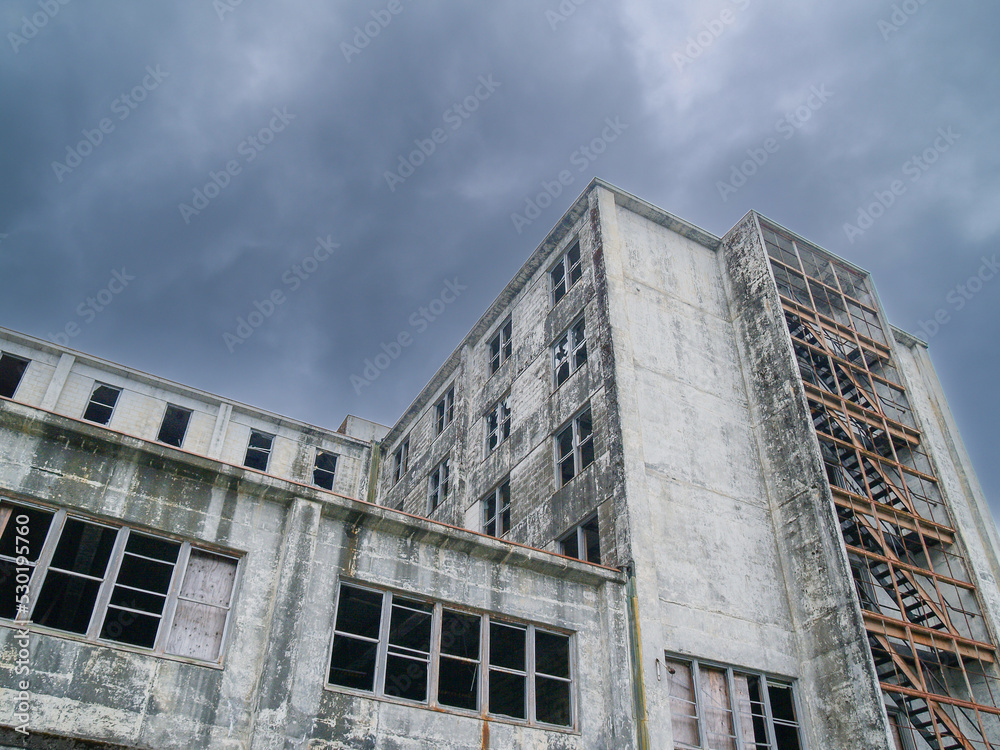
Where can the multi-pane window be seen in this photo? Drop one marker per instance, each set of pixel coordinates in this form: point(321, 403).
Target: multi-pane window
point(444, 411)
point(174, 425)
point(399, 646)
point(498, 424)
point(258, 450)
point(500, 346)
point(438, 484)
point(575, 447)
point(113, 583)
point(496, 510)
point(570, 352)
point(583, 542)
point(714, 706)
point(324, 469)
point(102, 403)
point(11, 371)
point(566, 272)
point(400, 460)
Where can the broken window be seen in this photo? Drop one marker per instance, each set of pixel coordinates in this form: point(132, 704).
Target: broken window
point(566, 272)
point(324, 469)
point(583, 542)
point(397, 646)
point(174, 425)
point(437, 490)
point(570, 352)
point(258, 450)
point(400, 459)
point(444, 412)
point(500, 346)
point(117, 584)
point(496, 510)
point(498, 424)
point(11, 371)
point(102, 403)
point(575, 447)
point(720, 708)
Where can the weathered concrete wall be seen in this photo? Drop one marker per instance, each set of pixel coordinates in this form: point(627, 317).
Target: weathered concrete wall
point(294, 542)
point(839, 692)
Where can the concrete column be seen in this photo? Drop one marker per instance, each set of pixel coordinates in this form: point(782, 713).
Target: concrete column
point(57, 383)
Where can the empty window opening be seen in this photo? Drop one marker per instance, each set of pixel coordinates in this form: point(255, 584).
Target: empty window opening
point(570, 352)
point(566, 272)
point(174, 425)
point(496, 511)
point(500, 346)
point(102, 403)
point(400, 460)
point(356, 637)
point(324, 469)
point(498, 424)
point(438, 484)
point(258, 450)
point(458, 671)
point(575, 447)
point(444, 411)
point(508, 670)
point(583, 542)
point(714, 706)
point(408, 656)
point(11, 371)
point(23, 530)
point(553, 694)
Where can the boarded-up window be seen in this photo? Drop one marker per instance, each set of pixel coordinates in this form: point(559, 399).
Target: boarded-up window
point(203, 606)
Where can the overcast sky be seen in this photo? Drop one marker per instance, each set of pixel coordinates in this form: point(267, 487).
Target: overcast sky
point(277, 124)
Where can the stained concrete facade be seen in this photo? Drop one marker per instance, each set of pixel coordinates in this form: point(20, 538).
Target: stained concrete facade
point(719, 542)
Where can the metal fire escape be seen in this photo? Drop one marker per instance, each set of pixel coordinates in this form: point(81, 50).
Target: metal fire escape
point(933, 652)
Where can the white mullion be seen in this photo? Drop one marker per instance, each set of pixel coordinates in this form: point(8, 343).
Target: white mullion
point(434, 664)
point(769, 717)
point(108, 584)
point(698, 707)
point(734, 707)
point(484, 661)
point(382, 649)
point(529, 666)
point(45, 559)
point(173, 594)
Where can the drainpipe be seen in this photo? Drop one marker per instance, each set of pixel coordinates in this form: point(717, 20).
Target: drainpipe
point(635, 655)
point(372, 496)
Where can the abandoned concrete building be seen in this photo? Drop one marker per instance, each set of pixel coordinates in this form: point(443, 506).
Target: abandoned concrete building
point(672, 491)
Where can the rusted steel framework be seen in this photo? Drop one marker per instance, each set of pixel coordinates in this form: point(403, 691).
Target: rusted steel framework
point(933, 652)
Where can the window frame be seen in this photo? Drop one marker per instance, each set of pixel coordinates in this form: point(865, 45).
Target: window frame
point(571, 272)
point(573, 423)
point(503, 336)
point(573, 347)
point(332, 472)
point(184, 432)
point(24, 370)
point(502, 428)
point(90, 402)
point(401, 460)
point(498, 509)
point(438, 494)
point(102, 605)
point(267, 453)
point(484, 667)
point(766, 680)
point(444, 411)
point(579, 534)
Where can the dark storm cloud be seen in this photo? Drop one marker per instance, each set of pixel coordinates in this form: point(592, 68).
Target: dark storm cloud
point(698, 88)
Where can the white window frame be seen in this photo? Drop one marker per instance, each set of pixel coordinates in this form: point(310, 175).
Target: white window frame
point(579, 534)
point(438, 485)
point(332, 472)
point(572, 272)
point(444, 411)
point(400, 460)
point(90, 402)
point(576, 348)
point(501, 413)
point(184, 432)
point(765, 680)
point(16, 359)
point(578, 444)
point(483, 663)
point(503, 338)
point(267, 453)
point(496, 495)
point(109, 581)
